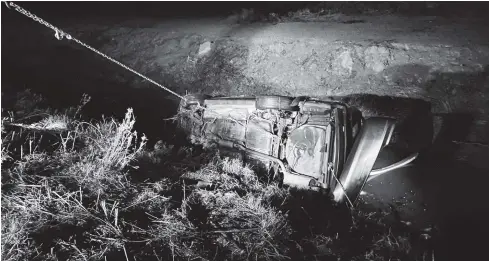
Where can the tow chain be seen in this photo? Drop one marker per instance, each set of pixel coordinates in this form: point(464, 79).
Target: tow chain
point(60, 34)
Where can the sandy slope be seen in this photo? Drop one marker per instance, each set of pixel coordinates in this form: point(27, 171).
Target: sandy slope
point(388, 55)
point(426, 57)
point(435, 59)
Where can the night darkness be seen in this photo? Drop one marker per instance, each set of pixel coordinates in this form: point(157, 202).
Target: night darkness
point(189, 9)
point(424, 63)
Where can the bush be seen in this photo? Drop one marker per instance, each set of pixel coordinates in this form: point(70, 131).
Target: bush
point(86, 194)
point(239, 214)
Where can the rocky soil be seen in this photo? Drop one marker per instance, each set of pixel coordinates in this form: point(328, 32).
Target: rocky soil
point(438, 60)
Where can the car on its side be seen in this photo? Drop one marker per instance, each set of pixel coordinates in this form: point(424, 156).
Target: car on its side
point(304, 142)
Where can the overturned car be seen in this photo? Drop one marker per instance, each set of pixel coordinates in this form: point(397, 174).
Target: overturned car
point(302, 142)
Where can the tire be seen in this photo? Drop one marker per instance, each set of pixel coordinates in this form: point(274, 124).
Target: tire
point(193, 100)
point(275, 103)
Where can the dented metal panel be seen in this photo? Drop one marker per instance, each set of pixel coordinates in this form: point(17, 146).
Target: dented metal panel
point(259, 135)
point(237, 109)
point(305, 150)
point(225, 129)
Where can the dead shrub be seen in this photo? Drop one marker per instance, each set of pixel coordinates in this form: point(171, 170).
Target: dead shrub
point(238, 212)
point(83, 200)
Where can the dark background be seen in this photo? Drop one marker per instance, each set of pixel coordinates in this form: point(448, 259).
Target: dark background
point(165, 9)
point(172, 9)
point(460, 185)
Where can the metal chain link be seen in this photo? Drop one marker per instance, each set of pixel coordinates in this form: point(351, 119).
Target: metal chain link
point(60, 34)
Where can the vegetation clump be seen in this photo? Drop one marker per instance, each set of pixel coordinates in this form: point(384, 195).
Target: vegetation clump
point(74, 189)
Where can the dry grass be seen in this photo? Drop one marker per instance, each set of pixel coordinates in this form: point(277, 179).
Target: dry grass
point(93, 191)
point(238, 211)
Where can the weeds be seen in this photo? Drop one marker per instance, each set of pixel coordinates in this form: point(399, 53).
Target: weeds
point(238, 212)
point(93, 191)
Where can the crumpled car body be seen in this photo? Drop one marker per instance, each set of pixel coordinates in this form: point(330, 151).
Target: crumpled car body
point(304, 142)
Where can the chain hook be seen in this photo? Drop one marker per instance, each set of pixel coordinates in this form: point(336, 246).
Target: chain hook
point(58, 35)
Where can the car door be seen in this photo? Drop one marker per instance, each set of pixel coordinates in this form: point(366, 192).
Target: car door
point(373, 136)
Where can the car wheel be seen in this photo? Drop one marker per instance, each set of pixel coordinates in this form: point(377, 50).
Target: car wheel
point(276, 103)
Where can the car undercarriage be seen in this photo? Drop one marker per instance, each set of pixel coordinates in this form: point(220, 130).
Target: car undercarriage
point(302, 142)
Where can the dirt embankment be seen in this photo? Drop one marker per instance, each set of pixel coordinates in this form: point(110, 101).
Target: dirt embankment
point(435, 59)
point(428, 58)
